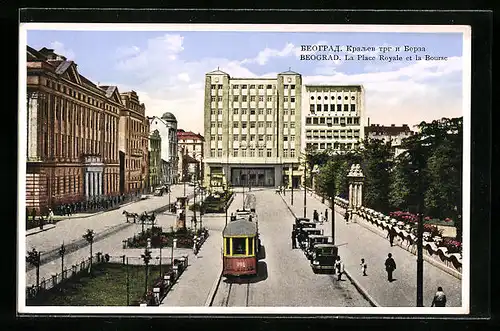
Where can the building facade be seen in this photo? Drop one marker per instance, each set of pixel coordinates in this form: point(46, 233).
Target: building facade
point(393, 134)
point(167, 127)
point(154, 159)
point(191, 153)
point(133, 144)
point(72, 143)
point(335, 119)
point(252, 128)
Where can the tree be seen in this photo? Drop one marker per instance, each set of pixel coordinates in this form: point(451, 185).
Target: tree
point(33, 258)
point(89, 236)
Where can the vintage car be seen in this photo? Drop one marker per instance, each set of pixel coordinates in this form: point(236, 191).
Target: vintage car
point(314, 240)
point(304, 234)
point(323, 257)
point(299, 220)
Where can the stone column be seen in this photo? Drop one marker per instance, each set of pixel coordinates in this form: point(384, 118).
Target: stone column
point(350, 196)
point(87, 186)
point(33, 127)
point(99, 183)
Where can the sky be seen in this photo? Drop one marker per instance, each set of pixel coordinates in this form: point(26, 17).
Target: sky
point(167, 68)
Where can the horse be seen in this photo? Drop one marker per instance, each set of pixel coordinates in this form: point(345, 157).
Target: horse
point(130, 215)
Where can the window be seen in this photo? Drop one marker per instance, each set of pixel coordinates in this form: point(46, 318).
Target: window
point(235, 125)
point(252, 137)
point(260, 124)
point(269, 124)
point(252, 86)
point(261, 137)
point(285, 153)
point(243, 137)
point(243, 125)
point(212, 152)
point(335, 120)
point(353, 107)
point(219, 137)
point(244, 153)
point(244, 86)
point(252, 152)
point(219, 86)
point(235, 152)
point(235, 98)
point(292, 87)
point(219, 152)
point(212, 87)
point(292, 153)
point(346, 98)
point(235, 87)
point(346, 107)
point(269, 98)
point(219, 124)
point(219, 112)
point(321, 120)
point(269, 152)
point(325, 107)
point(319, 97)
point(244, 98)
point(269, 111)
point(244, 111)
point(339, 107)
point(292, 125)
point(261, 87)
point(285, 111)
point(252, 125)
point(252, 111)
point(269, 87)
point(292, 138)
point(285, 86)
point(212, 99)
point(322, 146)
point(285, 99)
point(269, 137)
point(252, 98)
point(235, 137)
point(285, 125)
point(292, 111)
point(261, 111)
point(235, 111)
point(318, 107)
point(219, 98)
point(292, 99)
point(285, 138)
point(349, 120)
point(356, 120)
point(212, 138)
point(261, 152)
point(212, 124)
point(315, 120)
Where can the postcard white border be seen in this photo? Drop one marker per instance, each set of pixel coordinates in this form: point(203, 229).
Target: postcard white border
point(22, 138)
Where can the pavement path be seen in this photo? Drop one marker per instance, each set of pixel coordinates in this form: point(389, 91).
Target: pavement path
point(356, 242)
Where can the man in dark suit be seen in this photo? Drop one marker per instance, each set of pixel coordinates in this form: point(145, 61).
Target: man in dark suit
point(390, 266)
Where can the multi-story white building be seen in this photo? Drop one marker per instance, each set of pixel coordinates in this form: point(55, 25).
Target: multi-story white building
point(393, 134)
point(336, 117)
point(252, 128)
point(167, 127)
point(190, 147)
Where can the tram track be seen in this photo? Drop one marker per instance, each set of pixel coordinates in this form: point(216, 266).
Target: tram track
point(231, 294)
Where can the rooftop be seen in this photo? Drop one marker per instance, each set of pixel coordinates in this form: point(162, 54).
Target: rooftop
point(388, 130)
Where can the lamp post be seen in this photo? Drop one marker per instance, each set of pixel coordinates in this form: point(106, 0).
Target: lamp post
point(305, 190)
point(291, 169)
point(62, 251)
point(89, 236)
point(146, 257)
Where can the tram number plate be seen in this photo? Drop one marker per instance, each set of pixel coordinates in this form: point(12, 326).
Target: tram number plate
point(240, 264)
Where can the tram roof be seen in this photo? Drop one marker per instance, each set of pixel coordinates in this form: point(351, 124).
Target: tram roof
point(240, 227)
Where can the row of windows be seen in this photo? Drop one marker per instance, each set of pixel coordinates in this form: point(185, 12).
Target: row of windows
point(253, 98)
point(313, 108)
point(252, 86)
point(250, 152)
point(332, 133)
point(336, 146)
point(77, 95)
point(325, 97)
point(260, 137)
point(252, 111)
point(329, 120)
point(253, 124)
point(133, 164)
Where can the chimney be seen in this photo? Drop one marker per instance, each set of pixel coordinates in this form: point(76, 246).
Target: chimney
point(368, 121)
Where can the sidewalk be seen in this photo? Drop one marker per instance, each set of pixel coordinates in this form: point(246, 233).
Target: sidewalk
point(356, 242)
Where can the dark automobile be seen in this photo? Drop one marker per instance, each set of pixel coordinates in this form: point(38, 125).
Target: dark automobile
point(323, 257)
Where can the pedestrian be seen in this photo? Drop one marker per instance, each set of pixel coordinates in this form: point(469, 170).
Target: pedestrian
point(390, 266)
point(392, 234)
point(195, 247)
point(439, 298)
point(346, 216)
point(326, 215)
point(294, 236)
point(339, 266)
point(315, 216)
point(50, 216)
point(321, 218)
point(363, 267)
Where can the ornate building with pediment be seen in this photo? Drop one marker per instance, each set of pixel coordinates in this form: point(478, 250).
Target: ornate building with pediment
point(72, 133)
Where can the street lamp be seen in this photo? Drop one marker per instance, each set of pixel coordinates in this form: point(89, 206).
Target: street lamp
point(291, 170)
point(146, 257)
point(33, 258)
point(305, 190)
point(62, 251)
point(89, 236)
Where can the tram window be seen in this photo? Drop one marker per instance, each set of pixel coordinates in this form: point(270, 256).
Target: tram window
point(228, 248)
point(239, 245)
point(252, 248)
